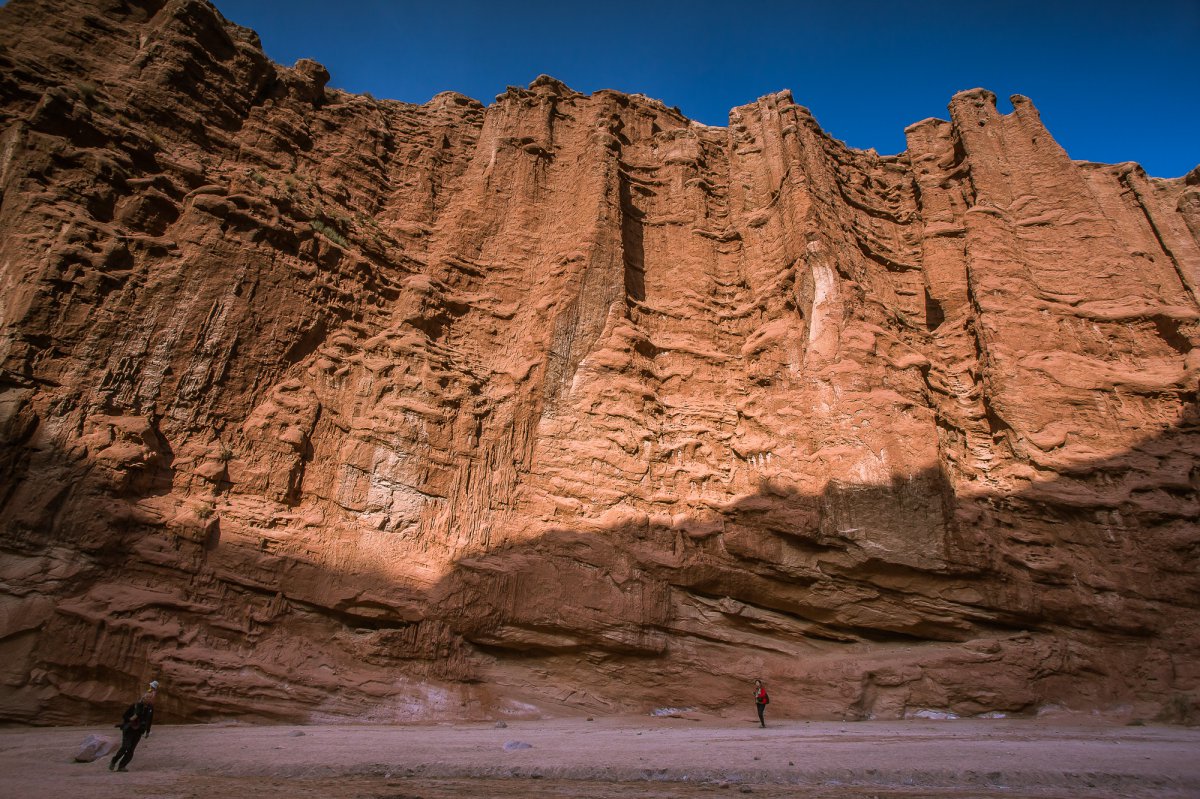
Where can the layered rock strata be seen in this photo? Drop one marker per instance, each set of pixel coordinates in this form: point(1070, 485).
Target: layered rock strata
point(318, 406)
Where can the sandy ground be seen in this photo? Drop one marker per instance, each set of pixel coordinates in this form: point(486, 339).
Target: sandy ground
point(640, 757)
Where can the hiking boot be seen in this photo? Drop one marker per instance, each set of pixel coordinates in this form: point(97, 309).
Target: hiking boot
point(122, 768)
point(112, 765)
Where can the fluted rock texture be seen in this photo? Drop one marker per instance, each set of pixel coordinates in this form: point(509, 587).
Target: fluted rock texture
point(318, 406)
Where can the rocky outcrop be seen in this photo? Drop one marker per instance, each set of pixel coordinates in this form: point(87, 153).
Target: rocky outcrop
point(318, 406)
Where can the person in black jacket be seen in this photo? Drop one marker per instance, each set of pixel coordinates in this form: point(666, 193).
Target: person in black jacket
point(134, 724)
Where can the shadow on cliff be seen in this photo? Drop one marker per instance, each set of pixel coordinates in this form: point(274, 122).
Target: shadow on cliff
point(1095, 570)
point(1106, 554)
point(1108, 547)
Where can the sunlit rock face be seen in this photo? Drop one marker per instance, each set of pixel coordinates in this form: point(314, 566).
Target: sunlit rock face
point(316, 406)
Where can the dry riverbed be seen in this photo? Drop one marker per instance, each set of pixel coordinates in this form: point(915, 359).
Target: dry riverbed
point(636, 757)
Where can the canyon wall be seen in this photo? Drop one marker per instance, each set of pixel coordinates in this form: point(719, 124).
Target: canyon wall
point(315, 406)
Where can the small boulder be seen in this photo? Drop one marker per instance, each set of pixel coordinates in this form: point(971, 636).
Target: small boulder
point(513, 746)
point(93, 746)
point(500, 725)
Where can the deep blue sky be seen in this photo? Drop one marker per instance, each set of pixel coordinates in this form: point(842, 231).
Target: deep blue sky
point(1115, 80)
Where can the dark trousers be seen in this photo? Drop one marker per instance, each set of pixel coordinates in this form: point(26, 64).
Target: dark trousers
point(761, 707)
point(129, 742)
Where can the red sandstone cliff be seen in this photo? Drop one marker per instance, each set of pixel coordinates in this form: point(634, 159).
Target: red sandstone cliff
point(318, 406)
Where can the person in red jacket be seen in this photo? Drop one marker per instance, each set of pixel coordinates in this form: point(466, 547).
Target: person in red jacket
point(760, 701)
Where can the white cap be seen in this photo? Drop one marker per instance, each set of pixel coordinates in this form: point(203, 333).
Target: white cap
point(154, 684)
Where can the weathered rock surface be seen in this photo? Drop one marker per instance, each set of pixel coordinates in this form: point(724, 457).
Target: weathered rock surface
point(317, 406)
